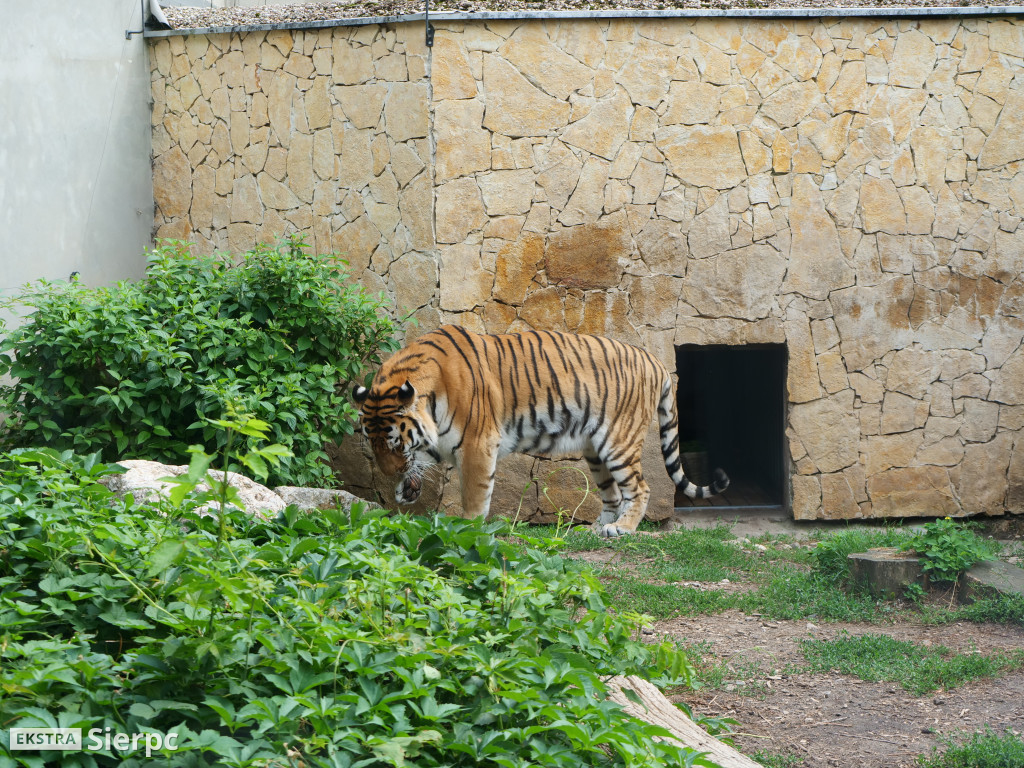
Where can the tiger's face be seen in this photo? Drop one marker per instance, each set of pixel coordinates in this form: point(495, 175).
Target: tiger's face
point(399, 434)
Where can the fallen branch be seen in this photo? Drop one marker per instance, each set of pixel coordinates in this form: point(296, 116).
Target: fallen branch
point(658, 710)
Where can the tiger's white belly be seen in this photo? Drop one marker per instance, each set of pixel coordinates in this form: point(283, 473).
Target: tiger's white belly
point(547, 446)
point(568, 434)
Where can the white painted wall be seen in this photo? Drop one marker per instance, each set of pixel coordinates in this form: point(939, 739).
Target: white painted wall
point(76, 188)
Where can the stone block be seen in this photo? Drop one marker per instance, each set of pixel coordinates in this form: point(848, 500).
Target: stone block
point(552, 69)
point(516, 107)
point(604, 129)
point(406, 111)
point(451, 76)
point(704, 156)
point(463, 145)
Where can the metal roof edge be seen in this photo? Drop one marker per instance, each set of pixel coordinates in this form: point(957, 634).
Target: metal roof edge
point(686, 13)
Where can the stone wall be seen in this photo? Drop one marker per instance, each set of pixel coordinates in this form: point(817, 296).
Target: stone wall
point(849, 187)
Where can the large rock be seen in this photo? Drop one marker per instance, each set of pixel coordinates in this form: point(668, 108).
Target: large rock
point(1006, 143)
point(644, 74)
point(172, 184)
point(516, 268)
point(1008, 384)
point(912, 492)
point(604, 129)
point(882, 207)
point(451, 76)
point(559, 170)
point(406, 111)
point(872, 320)
point(913, 59)
point(416, 280)
point(465, 283)
point(463, 146)
point(791, 103)
point(143, 481)
point(310, 499)
point(983, 476)
point(530, 50)
point(459, 210)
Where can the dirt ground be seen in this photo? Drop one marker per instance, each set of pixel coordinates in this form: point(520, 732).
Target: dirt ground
point(836, 720)
point(832, 719)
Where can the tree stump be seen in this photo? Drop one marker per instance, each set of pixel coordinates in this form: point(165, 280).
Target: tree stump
point(886, 571)
point(658, 710)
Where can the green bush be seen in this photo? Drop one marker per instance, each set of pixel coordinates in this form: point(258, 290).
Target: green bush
point(334, 639)
point(136, 370)
point(947, 548)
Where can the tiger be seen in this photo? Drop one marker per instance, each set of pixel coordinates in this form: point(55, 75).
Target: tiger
point(467, 399)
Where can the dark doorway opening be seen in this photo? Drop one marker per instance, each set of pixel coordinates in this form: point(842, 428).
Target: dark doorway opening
point(732, 414)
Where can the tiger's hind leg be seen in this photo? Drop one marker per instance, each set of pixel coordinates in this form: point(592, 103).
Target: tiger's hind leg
point(629, 479)
point(611, 496)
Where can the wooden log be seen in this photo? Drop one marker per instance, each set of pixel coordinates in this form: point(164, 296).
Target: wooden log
point(658, 710)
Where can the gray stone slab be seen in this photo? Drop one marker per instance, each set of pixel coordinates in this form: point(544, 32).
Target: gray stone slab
point(992, 577)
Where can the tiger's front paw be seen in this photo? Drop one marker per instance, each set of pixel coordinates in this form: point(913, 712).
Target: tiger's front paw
point(612, 531)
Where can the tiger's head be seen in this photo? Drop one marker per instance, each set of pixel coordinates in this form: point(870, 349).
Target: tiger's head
point(401, 433)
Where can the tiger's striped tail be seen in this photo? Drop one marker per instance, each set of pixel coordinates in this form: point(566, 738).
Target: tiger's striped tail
point(668, 425)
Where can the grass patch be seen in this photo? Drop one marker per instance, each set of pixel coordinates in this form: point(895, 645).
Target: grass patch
point(790, 583)
point(711, 673)
point(981, 750)
point(1003, 609)
point(778, 759)
point(878, 658)
point(663, 601)
point(789, 594)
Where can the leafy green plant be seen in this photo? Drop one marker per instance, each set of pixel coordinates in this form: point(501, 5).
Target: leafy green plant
point(986, 749)
point(140, 369)
point(341, 638)
point(918, 669)
point(258, 460)
point(948, 548)
point(914, 592)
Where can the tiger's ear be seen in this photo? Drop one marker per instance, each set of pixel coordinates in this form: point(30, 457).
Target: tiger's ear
point(406, 393)
point(359, 394)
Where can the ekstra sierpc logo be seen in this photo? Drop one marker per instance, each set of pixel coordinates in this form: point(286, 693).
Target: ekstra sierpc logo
point(96, 740)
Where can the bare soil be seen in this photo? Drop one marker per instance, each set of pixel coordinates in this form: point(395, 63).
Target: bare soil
point(836, 720)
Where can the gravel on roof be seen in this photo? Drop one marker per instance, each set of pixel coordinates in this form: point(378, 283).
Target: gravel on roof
point(291, 13)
